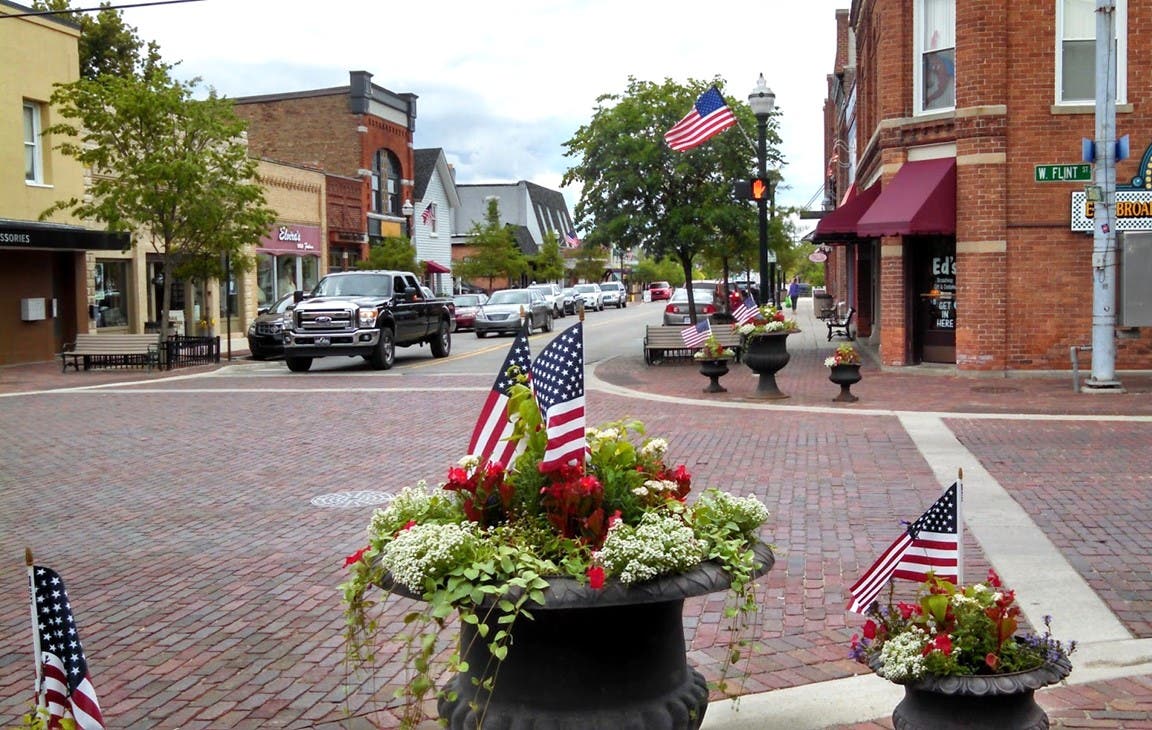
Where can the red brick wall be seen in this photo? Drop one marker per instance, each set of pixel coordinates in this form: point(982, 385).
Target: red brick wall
point(317, 131)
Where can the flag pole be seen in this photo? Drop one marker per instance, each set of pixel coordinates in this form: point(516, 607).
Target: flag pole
point(35, 628)
point(960, 526)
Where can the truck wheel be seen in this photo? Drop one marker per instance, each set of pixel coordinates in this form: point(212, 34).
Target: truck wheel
point(481, 334)
point(298, 364)
point(385, 353)
point(442, 342)
point(548, 323)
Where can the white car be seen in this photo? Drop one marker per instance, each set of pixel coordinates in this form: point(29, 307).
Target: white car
point(592, 296)
point(552, 294)
point(613, 294)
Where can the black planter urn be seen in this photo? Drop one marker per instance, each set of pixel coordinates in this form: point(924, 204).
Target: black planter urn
point(766, 354)
point(845, 376)
point(993, 701)
point(608, 658)
point(714, 370)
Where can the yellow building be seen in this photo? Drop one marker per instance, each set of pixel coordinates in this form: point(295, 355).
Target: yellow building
point(48, 272)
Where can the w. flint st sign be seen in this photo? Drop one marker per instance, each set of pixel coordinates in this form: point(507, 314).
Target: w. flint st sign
point(1064, 173)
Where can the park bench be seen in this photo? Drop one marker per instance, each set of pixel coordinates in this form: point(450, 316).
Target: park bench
point(665, 343)
point(841, 327)
point(110, 350)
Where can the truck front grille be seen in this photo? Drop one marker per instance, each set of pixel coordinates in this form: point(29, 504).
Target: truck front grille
point(325, 320)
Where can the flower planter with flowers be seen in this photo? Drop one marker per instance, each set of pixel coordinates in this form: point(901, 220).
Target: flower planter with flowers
point(568, 584)
point(844, 370)
point(960, 659)
point(766, 347)
point(713, 358)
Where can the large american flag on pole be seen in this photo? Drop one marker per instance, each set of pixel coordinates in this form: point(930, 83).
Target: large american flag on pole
point(931, 543)
point(490, 435)
point(709, 117)
point(64, 686)
point(558, 384)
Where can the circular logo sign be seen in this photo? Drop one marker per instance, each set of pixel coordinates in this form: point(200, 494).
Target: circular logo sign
point(817, 257)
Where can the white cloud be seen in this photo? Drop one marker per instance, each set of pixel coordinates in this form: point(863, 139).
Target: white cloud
point(503, 85)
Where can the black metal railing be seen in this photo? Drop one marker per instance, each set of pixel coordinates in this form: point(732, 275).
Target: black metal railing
point(182, 351)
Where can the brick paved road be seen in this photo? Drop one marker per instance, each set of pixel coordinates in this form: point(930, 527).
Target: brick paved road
point(206, 582)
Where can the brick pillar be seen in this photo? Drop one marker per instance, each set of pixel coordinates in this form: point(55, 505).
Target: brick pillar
point(893, 312)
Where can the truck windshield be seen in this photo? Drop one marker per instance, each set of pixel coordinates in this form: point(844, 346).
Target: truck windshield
point(354, 285)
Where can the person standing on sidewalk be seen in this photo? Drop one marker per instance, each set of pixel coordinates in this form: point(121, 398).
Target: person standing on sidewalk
point(793, 292)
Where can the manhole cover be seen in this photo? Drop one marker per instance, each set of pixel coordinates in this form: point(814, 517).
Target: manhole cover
point(352, 499)
point(995, 389)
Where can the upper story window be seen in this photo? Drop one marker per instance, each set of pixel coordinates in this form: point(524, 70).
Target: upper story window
point(386, 183)
point(33, 144)
point(1076, 51)
point(935, 72)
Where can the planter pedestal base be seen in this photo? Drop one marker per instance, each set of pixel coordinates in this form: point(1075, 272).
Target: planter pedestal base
point(765, 355)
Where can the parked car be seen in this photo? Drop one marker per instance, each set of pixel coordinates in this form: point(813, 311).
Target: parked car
point(466, 307)
point(552, 295)
point(266, 333)
point(677, 312)
point(501, 313)
point(568, 297)
point(614, 294)
point(592, 296)
point(658, 290)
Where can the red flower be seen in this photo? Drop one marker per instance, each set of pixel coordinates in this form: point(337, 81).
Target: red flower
point(870, 629)
point(942, 644)
point(408, 526)
point(992, 661)
point(356, 556)
point(907, 610)
point(993, 579)
point(596, 577)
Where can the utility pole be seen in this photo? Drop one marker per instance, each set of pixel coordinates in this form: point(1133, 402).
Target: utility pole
point(1104, 257)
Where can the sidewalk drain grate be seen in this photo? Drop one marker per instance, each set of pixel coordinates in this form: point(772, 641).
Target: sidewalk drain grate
point(352, 499)
point(995, 389)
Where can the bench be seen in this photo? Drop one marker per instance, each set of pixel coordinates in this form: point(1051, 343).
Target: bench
point(110, 351)
point(665, 343)
point(838, 327)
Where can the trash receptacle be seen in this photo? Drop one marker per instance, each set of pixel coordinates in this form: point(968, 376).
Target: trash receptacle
point(821, 303)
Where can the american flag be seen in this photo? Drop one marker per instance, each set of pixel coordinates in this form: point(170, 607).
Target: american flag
point(558, 382)
point(931, 543)
point(429, 214)
point(695, 334)
point(492, 428)
point(746, 311)
point(65, 686)
point(709, 117)
point(571, 240)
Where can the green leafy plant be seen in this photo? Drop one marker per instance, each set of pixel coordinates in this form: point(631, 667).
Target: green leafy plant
point(769, 320)
point(484, 544)
point(844, 355)
point(713, 350)
point(954, 630)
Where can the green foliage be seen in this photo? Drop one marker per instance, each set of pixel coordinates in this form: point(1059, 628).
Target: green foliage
point(639, 193)
point(107, 44)
point(169, 168)
point(390, 253)
point(38, 719)
point(548, 265)
point(495, 253)
point(590, 262)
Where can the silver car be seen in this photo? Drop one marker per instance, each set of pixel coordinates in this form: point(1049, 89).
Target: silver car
point(503, 310)
point(592, 296)
point(613, 294)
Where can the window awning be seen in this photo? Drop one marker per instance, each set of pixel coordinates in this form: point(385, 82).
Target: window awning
point(840, 224)
point(920, 200)
point(433, 267)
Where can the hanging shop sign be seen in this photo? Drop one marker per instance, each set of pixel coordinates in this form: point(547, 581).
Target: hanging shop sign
point(287, 238)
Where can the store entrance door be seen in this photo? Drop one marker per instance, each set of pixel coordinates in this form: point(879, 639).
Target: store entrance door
point(932, 286)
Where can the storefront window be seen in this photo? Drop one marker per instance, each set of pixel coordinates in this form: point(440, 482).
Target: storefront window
point(111, 291)
point(265, 279)
point(310, 270)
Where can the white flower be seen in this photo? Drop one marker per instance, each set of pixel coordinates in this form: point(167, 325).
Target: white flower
point(829, 361)
point(640, 491)
point(902, 657)
point(654, 447)
point(747, 328)
point(469, 462)
point(659, 545)
point(661, 485)
point(427, 551)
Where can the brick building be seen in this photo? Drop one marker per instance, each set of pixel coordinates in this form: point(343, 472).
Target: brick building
point(359, 132)
point(942, 237)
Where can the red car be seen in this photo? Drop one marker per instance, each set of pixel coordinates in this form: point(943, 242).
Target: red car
point(659, 290)
point(466, 306)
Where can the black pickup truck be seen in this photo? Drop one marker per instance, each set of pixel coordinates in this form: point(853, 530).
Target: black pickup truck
point(365, 313)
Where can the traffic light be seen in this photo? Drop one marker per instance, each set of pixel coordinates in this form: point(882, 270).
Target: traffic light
point(758, 187)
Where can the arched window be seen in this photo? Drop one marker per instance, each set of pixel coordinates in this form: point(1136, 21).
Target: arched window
point(386, 183)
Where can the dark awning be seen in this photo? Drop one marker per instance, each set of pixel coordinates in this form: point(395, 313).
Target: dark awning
point(59, 237)
point(920, 200)
point(433, 267)
point(840, 224)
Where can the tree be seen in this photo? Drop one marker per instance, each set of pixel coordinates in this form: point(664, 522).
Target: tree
point(107, 44)
point(589, 262)
point(548, 265)
point(166, 167)
point(393, 253)
point(495, 254)
point(638, 192)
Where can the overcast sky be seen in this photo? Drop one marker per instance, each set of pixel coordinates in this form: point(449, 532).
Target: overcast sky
point(503, 84)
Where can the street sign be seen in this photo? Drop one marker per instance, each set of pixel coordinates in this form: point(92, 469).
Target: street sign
point(1079, 172)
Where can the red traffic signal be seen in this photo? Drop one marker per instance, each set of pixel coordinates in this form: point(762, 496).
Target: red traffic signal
point(759, 189)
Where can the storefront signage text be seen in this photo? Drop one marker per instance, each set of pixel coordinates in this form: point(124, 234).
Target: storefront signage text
point(1133, 211)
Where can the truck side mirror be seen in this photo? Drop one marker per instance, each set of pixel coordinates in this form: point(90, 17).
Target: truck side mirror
point(297, 296)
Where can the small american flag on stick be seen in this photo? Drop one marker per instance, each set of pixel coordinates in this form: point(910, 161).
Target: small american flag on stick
point(558, 384)
point(493, 428)
point(695, 334)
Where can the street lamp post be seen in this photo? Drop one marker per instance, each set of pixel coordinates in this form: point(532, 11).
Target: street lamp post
point(408, 209)
point(762, 101)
